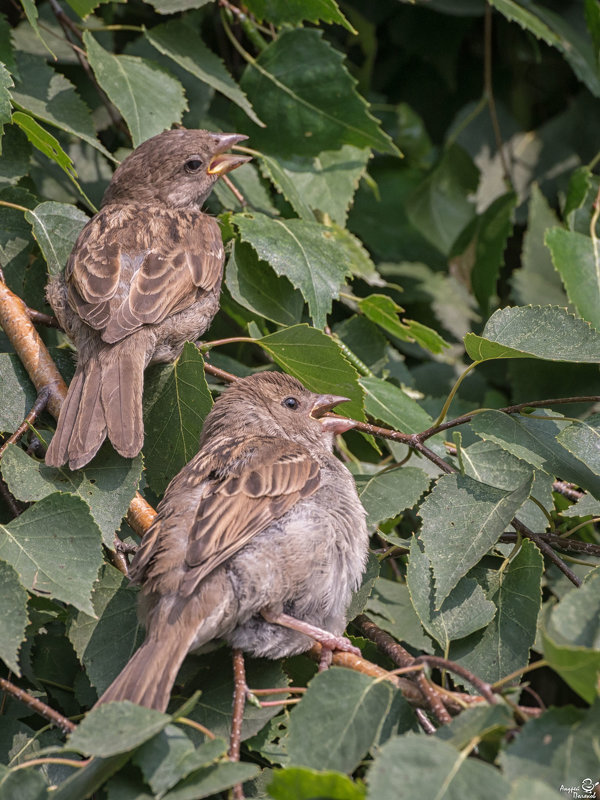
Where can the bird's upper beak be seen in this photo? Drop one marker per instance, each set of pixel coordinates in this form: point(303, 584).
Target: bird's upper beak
point(223, 162)
point(325, 402)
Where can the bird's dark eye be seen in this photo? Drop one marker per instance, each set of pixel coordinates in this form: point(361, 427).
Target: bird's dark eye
point(291, 402)
point(193, 165)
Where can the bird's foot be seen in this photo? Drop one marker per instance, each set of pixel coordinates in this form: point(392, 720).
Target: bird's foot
point(328, 641)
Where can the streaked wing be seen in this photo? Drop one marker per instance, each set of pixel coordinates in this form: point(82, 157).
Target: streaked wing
point(243, 488)
point(277, 475)
point(135, 265)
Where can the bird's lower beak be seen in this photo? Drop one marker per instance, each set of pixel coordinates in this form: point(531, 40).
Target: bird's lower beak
point(325, 402)
point(223, 162)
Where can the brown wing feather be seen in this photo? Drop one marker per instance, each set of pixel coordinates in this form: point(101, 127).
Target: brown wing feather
point(270, 477)
point(272, 481)
point(134, 265)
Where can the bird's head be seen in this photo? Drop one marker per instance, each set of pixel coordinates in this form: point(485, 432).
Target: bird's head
point(176, 168)
point(276, 404)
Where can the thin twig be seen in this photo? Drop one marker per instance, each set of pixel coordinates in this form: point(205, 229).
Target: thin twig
point(191, 723)
point(39, 405)
point(443, 663)
point(568, 490)
point(42, 319)
point(240, 688)
point(36, 705)
point(234, 190)
point(554, 540)
point(489, 92)
point(403, 658)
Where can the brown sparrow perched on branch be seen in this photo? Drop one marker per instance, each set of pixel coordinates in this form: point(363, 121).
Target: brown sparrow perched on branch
point(260, 540)
point(143, 278)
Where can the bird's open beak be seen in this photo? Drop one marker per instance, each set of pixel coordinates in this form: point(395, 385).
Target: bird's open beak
point(325, 402)
point(223, 162)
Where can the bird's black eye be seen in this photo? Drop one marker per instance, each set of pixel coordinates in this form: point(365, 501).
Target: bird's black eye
point(291, 402)
point(193, 165)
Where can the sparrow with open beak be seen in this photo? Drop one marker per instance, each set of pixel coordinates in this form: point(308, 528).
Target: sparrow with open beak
point(260, 540)
point(143, 278)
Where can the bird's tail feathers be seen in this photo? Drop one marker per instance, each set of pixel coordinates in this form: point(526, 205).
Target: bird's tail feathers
point(122, 388)
point(81, 427)
point(149, 675)
point(105, 397)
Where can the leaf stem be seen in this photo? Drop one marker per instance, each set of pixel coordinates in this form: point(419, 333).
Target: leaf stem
point(511, 676)
point(229, 33)
point(453, 391)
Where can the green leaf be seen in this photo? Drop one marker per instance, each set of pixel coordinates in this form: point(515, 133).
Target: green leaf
point(391, 405)
point(543, 332)
point(532, 789)
point(341, 733)
point(304, 252)
point(18, 393)
point(483, 722)
point(424, 766)
point(85, 7)
point(214, 709)
point(173, 6)
point(171, 756)
point(133, 85)
point(440, 207)
point(311, 109)
point(56, 227)
point(130, 726)
point(176, 402)
point(24, 784)
point(55, 547)
point(16, 154)
point(297, 783)
point(210, 781)
point(14, 619)
point(48, 145)
point(386, 494)
point(362, 594)
point(254, 285)
point(560, 747)
point(283, 179)
point(582, 439)
point(464, 610)
point(179, 41)
point(391, 607)
point(491, 464)
point(576, 258)
point(31, 13)
point(488, 236)
point(49, 96)
point(536, 442)
point(537, 281)
point(326, 182)
point(382, 310)
point(317, 361)
point(105, 643)
point(6, 82)
point(107, 485)
point(16, 241)
point(555, 30)
point(88, 779)
point(462, 520)
point(503, 647)
point(572, 637)
point(280, 12)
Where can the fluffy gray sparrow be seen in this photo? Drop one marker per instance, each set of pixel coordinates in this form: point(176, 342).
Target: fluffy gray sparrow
point(260, 540)
point(143, 278)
